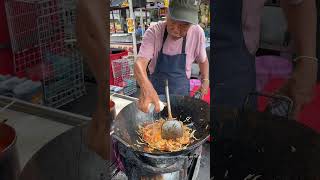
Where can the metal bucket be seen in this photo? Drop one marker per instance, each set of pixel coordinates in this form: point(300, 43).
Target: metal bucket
point(9, 163)
point(67, 157)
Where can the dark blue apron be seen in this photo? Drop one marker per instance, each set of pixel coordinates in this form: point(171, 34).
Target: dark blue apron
point(173, 68)
point(233, 68)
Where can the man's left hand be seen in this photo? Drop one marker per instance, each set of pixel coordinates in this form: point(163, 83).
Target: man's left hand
point(300, 87)
point(204, 88)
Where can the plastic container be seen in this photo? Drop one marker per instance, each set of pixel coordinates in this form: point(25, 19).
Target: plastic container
point(115, 54)
point(270, 67)
point(8, 85)
point(29, 91)
point(4, 77)
point(6, 61)
point(194, 83)
point(4, 31)
point(116, 89)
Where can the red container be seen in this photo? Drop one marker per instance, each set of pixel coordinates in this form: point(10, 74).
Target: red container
point(270, 67)
point(6, 57)
point(9, 161)
point(6, 62)
point(7, 138)
point(4, 31)
point(114, 55)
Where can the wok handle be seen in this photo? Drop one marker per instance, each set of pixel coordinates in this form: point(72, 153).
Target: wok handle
point(120, 140)
point(168, 99)
point(277, 104)
point(197, 95)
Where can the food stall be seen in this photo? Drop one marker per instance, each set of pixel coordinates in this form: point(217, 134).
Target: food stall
point(122, 41)
point(58, 137)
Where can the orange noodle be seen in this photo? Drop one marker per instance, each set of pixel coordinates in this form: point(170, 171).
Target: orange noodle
point(150, 134)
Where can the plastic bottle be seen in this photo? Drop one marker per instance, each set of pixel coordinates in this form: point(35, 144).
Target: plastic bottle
point(30, 91)
point(9, 84)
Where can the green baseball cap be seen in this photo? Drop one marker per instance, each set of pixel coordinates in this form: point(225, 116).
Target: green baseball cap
point(184, 10)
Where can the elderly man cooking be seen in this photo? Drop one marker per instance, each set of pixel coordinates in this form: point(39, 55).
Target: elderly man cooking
point(168, 50)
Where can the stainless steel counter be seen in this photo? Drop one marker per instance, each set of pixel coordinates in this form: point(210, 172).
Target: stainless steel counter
point(121, 101)
point(33, 132)
point(37, 125)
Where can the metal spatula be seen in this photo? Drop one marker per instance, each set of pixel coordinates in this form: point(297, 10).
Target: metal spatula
point(171, 128)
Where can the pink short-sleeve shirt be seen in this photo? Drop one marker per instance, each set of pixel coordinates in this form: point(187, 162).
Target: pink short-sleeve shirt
point(152, 42)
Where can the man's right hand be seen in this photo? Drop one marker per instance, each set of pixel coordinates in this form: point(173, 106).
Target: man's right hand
point(148, 95)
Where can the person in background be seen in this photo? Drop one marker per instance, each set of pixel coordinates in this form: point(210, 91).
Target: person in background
point(139, 30)
point(92, 40)
point(168, 50)
point(236, 40)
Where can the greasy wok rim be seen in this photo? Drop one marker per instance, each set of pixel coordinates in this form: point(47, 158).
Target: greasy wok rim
point(165, 153)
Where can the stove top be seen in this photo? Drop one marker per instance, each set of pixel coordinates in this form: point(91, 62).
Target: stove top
point(120, 175)
point(182, 167)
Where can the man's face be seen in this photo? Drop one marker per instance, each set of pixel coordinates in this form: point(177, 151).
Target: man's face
point(177, 29)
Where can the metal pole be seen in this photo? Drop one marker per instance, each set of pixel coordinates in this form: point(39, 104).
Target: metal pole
point(141, 21)
point(114, 23)
point(146, 14)
point(134, 40)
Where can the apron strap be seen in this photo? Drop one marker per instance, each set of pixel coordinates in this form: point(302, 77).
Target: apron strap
point(163, 40)
point(183, 51)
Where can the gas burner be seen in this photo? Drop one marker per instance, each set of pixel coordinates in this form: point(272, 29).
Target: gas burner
point(148, 167)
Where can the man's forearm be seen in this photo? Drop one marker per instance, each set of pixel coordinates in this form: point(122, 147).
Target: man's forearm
point(141, 73)
point(204, 69)
point(302, 22)
point(302, 27)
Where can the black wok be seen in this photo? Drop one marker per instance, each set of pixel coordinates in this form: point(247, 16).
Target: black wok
point(249, 142)
point(129, 118)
